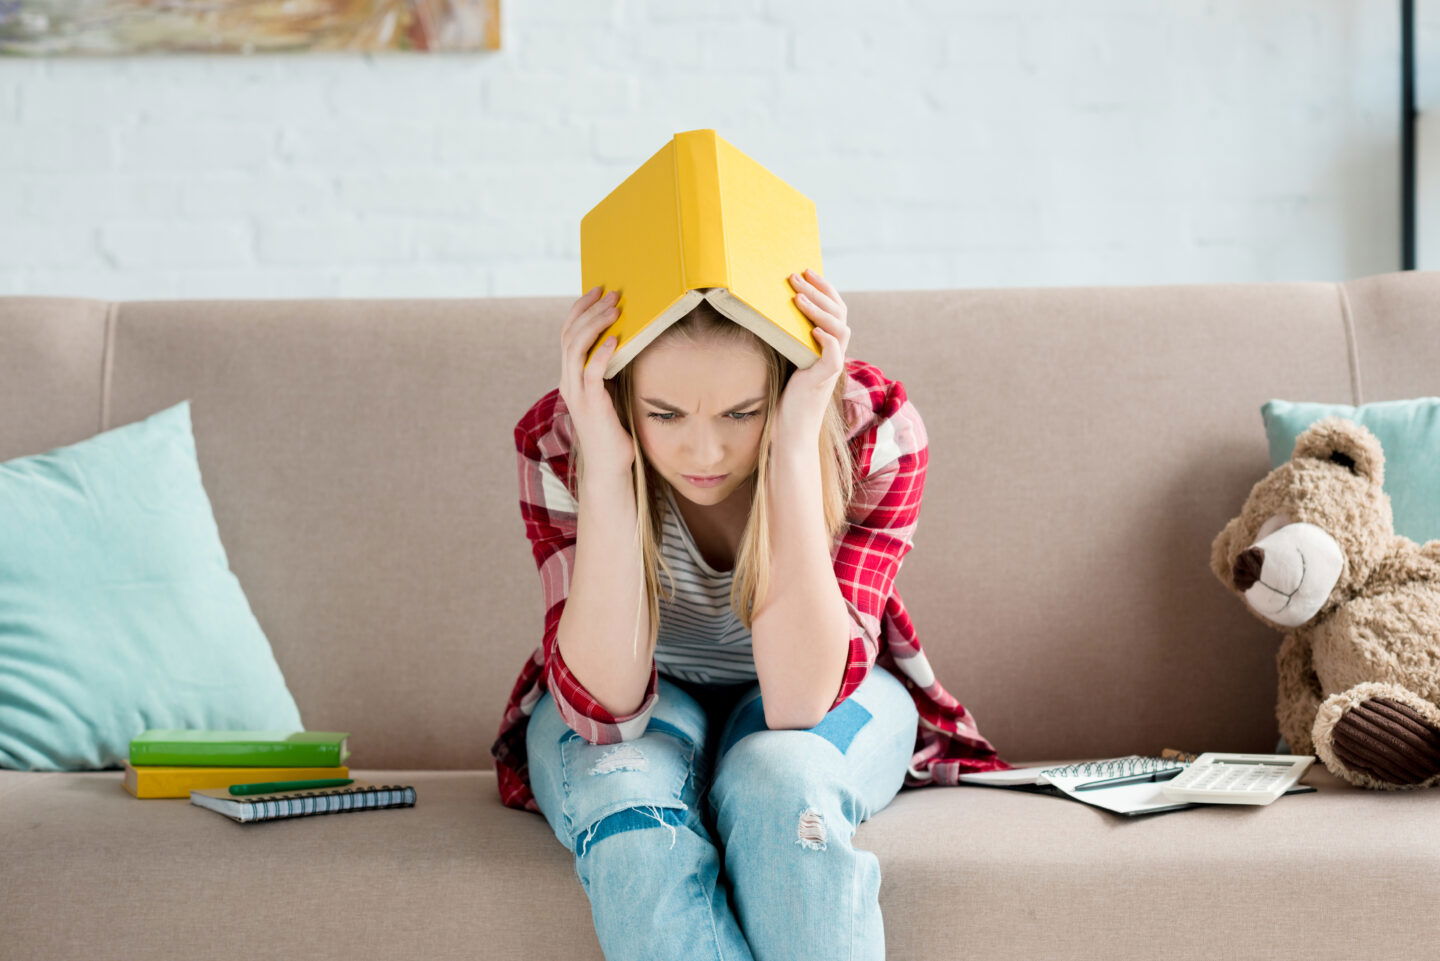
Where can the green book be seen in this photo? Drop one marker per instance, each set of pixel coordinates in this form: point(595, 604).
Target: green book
point(241, 748)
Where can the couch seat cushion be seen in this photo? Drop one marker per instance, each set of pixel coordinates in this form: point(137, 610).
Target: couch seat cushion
point(1013, 875)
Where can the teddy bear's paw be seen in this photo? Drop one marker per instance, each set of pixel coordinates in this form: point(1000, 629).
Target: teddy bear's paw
point(1388, 741)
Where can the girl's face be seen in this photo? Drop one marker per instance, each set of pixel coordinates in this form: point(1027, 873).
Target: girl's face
point(700, 411)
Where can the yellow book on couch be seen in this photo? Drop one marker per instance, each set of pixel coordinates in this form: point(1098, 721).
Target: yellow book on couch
point(701, 220)
point(165, 781)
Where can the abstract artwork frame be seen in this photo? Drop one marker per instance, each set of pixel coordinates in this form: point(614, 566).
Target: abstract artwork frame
point(114, 27)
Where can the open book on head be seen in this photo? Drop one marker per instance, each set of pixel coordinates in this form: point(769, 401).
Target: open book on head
point(1127, 785)
point(700, 220)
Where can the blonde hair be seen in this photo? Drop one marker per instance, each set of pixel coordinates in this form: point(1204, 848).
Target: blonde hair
point(706, 325)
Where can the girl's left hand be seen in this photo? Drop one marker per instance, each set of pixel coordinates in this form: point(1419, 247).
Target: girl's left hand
point(807, 393)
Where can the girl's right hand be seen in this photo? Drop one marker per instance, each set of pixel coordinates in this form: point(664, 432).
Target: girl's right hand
point(599, 433)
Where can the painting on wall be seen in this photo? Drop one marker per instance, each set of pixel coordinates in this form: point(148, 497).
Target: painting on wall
point(72, 27)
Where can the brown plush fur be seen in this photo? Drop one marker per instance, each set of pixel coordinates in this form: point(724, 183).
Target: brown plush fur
point(1378, 633)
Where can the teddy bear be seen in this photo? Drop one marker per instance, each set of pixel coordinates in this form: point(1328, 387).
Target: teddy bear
point(1314, 553)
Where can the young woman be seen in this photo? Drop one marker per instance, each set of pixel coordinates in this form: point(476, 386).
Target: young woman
point(719, 735)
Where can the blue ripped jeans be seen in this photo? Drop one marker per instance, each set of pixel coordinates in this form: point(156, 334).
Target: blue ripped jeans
point(647, 820)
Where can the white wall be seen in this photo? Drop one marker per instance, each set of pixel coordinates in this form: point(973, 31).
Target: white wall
point(947, 143)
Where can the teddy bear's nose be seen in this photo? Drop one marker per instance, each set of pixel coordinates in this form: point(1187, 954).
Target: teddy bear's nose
point(1247, 568)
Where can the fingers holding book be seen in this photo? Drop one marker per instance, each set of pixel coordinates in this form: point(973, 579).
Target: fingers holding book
point(600, 436)
point(817, 292)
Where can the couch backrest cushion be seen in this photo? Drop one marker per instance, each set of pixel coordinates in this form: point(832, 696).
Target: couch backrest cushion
point(1086, 445)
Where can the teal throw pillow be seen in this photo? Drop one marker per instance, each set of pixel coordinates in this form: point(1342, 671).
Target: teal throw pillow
point(118, 609)
point(1409, 433)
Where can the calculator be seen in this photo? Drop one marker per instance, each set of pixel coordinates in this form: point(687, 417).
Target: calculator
point(1218, 778)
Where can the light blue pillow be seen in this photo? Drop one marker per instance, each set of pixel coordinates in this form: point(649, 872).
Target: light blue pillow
point(118, 609)
point(1409, 433)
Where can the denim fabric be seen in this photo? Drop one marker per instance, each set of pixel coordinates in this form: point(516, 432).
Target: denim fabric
point(711, 836)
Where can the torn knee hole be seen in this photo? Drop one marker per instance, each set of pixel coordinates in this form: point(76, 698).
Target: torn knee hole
point(621, 821)
point(622, 757)
point(811, 830)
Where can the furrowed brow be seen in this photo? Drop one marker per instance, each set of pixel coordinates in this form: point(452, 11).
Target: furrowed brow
point(671, 407)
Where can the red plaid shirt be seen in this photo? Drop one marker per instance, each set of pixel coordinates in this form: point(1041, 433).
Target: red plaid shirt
point(888, 442)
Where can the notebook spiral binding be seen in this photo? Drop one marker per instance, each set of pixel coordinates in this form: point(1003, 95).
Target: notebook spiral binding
point(294, 805)
point(1122, 766)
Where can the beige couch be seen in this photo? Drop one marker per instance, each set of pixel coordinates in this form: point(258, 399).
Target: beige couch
point(1086, 445)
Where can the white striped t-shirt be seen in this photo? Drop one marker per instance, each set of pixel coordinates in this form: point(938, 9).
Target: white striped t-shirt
point(700, 639)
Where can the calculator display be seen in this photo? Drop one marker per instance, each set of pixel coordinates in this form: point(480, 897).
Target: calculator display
point(1231, 760)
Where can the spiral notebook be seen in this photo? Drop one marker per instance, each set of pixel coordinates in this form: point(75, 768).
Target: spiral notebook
point(1145, 797)
point(294, 804)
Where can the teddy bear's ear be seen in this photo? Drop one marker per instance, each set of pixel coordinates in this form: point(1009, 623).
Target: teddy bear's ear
point(1341, 441)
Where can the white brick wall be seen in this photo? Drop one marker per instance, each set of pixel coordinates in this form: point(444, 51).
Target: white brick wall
point(947, 143)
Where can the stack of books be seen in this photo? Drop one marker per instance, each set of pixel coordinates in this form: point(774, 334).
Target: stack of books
point(171, 764)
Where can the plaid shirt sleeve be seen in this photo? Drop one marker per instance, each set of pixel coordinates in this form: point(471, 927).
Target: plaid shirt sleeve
point(884, 511)
point(548, 506)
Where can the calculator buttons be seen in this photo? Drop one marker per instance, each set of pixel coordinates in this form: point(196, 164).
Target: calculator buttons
point(1220, 778)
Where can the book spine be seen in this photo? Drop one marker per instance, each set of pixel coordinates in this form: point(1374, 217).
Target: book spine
point(237, 754)
point(337, 803)
point(144, 782)
point(698, 210)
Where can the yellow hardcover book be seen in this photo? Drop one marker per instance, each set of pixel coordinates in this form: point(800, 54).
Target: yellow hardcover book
point(701, 220)
point(165, 781)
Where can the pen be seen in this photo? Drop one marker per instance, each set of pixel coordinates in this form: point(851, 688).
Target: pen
point(271, 787)
point(1129, 779)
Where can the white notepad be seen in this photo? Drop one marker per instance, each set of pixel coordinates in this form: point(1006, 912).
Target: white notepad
point(1142, 798)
